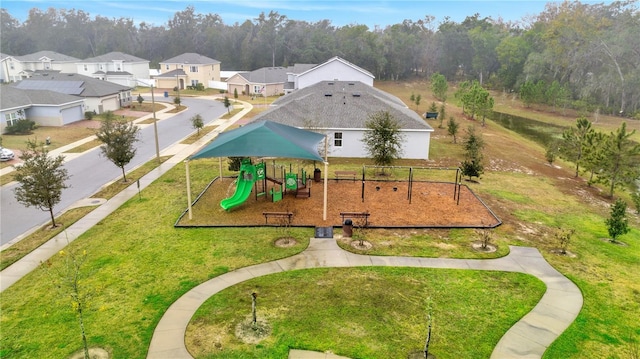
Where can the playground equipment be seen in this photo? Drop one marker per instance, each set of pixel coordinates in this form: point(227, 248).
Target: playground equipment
point(256, 176)
point(246, 178)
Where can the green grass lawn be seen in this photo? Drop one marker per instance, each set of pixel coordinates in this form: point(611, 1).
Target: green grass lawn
point(385, 318)
point(140, 264)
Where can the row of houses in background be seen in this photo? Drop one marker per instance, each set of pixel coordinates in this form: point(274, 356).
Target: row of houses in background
point(335, 97)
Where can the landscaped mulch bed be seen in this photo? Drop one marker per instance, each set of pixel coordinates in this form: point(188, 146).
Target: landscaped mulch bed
point(432, 205)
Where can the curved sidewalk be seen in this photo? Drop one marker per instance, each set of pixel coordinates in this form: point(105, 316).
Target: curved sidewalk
point(528, 338)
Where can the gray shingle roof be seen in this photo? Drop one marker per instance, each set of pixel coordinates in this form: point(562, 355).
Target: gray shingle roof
point(36, 56)
point(266, 75)
point(190, 58)
point(113, 56)
point(59, 82)
point(339, 104)
point(12, 97)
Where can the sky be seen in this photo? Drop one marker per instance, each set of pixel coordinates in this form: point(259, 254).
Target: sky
point(340, 12)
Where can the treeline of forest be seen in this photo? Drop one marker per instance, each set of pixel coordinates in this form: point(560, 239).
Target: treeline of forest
point(588, 53)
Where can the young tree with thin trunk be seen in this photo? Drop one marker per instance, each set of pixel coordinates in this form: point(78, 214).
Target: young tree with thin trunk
point(383, 141)
point(119, 138)
point(41, 179)
point(617, 223)
point(197, 123)
point(473, 144)
point(439, 86)
point(621, 165)
point(68, 279)
point(574, 141)
point(452, 128)
point(227, 104)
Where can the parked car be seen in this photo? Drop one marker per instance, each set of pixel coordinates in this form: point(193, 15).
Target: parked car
point(6, 154)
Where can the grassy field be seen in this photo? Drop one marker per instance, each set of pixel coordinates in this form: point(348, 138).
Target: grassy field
point(131, 289)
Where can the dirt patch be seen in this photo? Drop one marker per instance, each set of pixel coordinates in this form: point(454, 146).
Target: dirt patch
point(285, 242)
point(390, 204)
point(361, 245)
point(251, 333)
point(488, 248)
point(94, 353)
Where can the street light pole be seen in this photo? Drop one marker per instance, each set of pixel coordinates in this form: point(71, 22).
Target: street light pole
point(155, 124)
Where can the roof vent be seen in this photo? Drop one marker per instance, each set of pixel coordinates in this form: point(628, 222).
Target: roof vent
point(330, 83)
point(328, 94)
point(351, 84)
point(356, 94)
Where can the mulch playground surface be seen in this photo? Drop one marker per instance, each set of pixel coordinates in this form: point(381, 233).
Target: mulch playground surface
point(432, 205)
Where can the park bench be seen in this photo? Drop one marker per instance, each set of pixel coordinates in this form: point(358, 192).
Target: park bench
point(364, 215)
point(266, 215)
point(346, 175)
point(429, 115)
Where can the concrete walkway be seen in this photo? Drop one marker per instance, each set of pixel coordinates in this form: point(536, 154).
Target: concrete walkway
point(528, 338)
point(31, 261)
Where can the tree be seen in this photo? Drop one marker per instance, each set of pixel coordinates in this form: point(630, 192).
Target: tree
point(227, 104)
point(621, 165)
point(417, 100)
point(472, 163)
point(68, 279)
point(118, 138)
point(383, 141)
point(574, 140)
point(140, 99)
point(197, 123)
point(563, 236)
point(552, 151)
point(177, 101)
point(41, 179)
point(439, 86)
point(452, 128)
point(617, 223)
point(235, 93)
point(442, 114)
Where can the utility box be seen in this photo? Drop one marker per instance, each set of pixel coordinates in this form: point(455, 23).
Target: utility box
point(347, 228)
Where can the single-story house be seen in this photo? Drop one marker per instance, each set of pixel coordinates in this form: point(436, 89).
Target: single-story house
point(340, 110)
point(99, 96)
point(46, 108)
point(266, 81)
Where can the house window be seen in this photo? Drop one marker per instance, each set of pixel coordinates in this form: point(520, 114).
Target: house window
point(193, 69)
point(101, 66)
point(194, 83)
point(166, 67)
point(337, 139)
point(47, 66)
point(11, 118)
point(85, 67)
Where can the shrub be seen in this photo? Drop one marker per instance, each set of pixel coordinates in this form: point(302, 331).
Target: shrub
point(200, 86)
point(21, 127)
point(89, 115)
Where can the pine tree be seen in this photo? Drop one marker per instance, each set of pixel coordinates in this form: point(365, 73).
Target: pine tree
point(472, 165)
point(617, 223)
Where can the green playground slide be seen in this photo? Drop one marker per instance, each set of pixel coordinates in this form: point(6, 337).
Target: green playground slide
point(244, 184)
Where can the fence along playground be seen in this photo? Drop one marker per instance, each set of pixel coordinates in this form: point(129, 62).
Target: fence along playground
point(254, 177)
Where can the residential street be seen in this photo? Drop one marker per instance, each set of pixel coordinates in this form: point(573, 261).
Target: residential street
point(91, 171)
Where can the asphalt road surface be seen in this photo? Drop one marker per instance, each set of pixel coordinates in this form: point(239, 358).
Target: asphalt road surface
point(91, 171)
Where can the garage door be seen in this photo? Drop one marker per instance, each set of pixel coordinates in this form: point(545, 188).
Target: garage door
point(72, 114)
